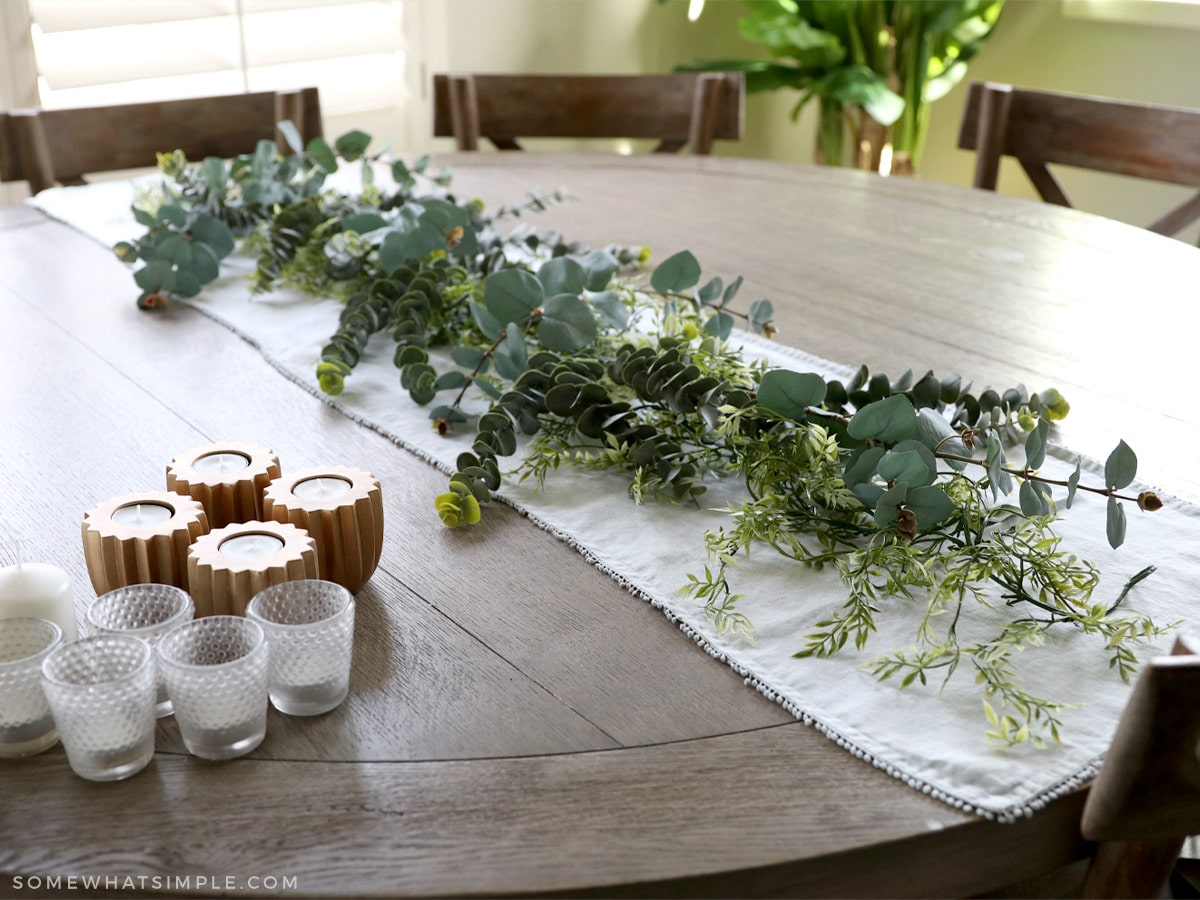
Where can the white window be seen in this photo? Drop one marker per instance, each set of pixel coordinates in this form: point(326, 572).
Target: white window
point(370, 59)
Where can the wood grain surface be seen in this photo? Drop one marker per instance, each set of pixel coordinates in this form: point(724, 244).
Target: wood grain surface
point(518, 724)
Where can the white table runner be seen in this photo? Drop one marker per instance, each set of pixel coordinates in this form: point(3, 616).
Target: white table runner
point(931, 737)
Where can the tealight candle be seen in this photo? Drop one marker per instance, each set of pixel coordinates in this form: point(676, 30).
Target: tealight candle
point(221, 462)
point(320, 488)
point(229, 565)
point(342, 508)
point(39, 591)
point(251, 546)
point(141, 538)
point(138, 515)
point(227, 479)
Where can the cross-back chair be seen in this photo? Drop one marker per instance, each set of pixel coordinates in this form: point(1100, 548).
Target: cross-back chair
point(677, 109)
point(59, 146)
point(1160, 143)
point(1146, 799)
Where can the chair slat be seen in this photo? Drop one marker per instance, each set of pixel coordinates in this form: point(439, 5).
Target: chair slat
point(1160, 143)
point(677, 109)
point(51, 146)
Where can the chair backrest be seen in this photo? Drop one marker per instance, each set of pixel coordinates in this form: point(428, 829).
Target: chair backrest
point(692, 108)
point(1161, 143)
point(1146, 799)
point(49, 146)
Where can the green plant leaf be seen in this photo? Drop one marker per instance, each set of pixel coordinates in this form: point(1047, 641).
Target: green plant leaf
point(291, 135)
point(864, 87)
point(890, 420)
point(215, 233)
point(352, 144)
point(363, 223)
point(1035, 445)
point(1073, 484)
point(599, 266)
point(562, 275)
point(789, 394)
point(1115, 524)
point(511, 295)
point(216, 176)
point(676, 273)
point(322, 155)
point(911, 466)
point(1121, 467)
point(612, 311)
point(720, 325)
point(930, 505)
point(567, 324)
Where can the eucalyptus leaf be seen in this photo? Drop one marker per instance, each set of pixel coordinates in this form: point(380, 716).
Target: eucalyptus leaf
point(599, 266)
point(322, 155)
point(291, 135)
point(930, 505)
point(676, 273)
point(611, 309)
point(1115, 523)
point(562, 275)
point(567, 324)
point(790, 394)
point(1121, 467)
point(1035, 445)
point(352, 144)
point(891, 419)
point(720, 325)
point(511, 295)
point(1073, 484)
point(215, 233)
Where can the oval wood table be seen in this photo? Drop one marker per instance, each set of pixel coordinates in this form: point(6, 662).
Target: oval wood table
point(518, 724)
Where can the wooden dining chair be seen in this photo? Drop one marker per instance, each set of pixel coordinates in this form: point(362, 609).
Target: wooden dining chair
point(1146, 799)
point(677, 109)
point(59, 146)
point(1160, 143)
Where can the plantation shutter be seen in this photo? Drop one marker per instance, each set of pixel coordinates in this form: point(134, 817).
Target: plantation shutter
point(124, 51)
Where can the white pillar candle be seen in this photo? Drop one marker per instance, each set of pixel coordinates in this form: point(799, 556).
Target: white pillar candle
point(251, 546)
point(322, 487)
point(139, 515)
point(39, 590)
point(219, 463)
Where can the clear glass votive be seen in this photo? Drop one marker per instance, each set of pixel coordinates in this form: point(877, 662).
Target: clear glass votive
point(147, 611)
point(26, 725)
point(310, 636)
point(101, 691)
point(216, 671)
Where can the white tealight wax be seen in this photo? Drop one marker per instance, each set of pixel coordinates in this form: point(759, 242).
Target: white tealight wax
point(221, 463)
point(39, 590)
point(322, 487)
point(251, 546)
point(139, 515)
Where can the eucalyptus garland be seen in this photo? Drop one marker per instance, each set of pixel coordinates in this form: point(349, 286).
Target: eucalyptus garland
point(903, 486)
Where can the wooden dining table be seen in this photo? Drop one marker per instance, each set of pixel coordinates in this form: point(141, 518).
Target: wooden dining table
point(518, 723)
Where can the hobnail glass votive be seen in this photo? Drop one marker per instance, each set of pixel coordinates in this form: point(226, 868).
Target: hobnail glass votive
point(310, 637)
point(101, 691)
point(26, 725)
point(147, 611)
point(216, 671)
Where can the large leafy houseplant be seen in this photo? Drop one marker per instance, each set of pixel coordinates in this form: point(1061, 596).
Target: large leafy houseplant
point(904, 486)
point(874, 66)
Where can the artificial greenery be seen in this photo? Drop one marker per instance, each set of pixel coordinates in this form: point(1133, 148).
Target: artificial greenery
point(904, 487)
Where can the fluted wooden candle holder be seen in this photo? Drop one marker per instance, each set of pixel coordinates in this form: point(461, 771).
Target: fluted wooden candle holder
point(227, 478)
point(342, 508)
point(229, 565)
point(141, 538)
